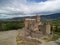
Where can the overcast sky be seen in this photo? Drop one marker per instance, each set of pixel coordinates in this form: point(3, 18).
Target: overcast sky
point(19, 8)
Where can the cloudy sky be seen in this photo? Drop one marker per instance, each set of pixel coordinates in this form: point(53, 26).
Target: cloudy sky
point(19, 8)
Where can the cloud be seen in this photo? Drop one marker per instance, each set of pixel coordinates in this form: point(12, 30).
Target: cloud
point(14, 8)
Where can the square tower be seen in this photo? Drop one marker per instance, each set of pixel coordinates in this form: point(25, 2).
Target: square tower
point(38, 19)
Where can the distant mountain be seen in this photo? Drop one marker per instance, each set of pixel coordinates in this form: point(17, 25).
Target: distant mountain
point(51, 16)
point(21, 18)
point(17, 18)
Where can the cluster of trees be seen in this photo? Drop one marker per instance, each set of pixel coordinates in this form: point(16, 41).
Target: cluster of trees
point(56, 32)
point(4, 26)
point(55, 28)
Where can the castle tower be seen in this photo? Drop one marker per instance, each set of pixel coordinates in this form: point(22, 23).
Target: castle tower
point(37, 18)
point(26, 23)
point(48, 28)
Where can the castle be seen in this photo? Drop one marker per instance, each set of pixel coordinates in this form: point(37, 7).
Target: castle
point(35, 27)
point(34, 31)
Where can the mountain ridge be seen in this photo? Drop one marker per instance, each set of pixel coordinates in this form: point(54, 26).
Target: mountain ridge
point(51, 16)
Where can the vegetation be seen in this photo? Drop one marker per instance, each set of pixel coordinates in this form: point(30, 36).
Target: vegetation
point(55, 27)
point(12, 25)
point(54, 22)
point(56, 32)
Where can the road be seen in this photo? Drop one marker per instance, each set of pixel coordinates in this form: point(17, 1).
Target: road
point(8, 37)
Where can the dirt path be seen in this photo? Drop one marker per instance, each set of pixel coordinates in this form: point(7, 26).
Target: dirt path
point(8, 38)
point(57, 42)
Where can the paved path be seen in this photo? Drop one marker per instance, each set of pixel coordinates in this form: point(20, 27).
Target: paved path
point(8, 38)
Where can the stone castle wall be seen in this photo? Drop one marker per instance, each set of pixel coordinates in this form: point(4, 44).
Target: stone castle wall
point(37, 25)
